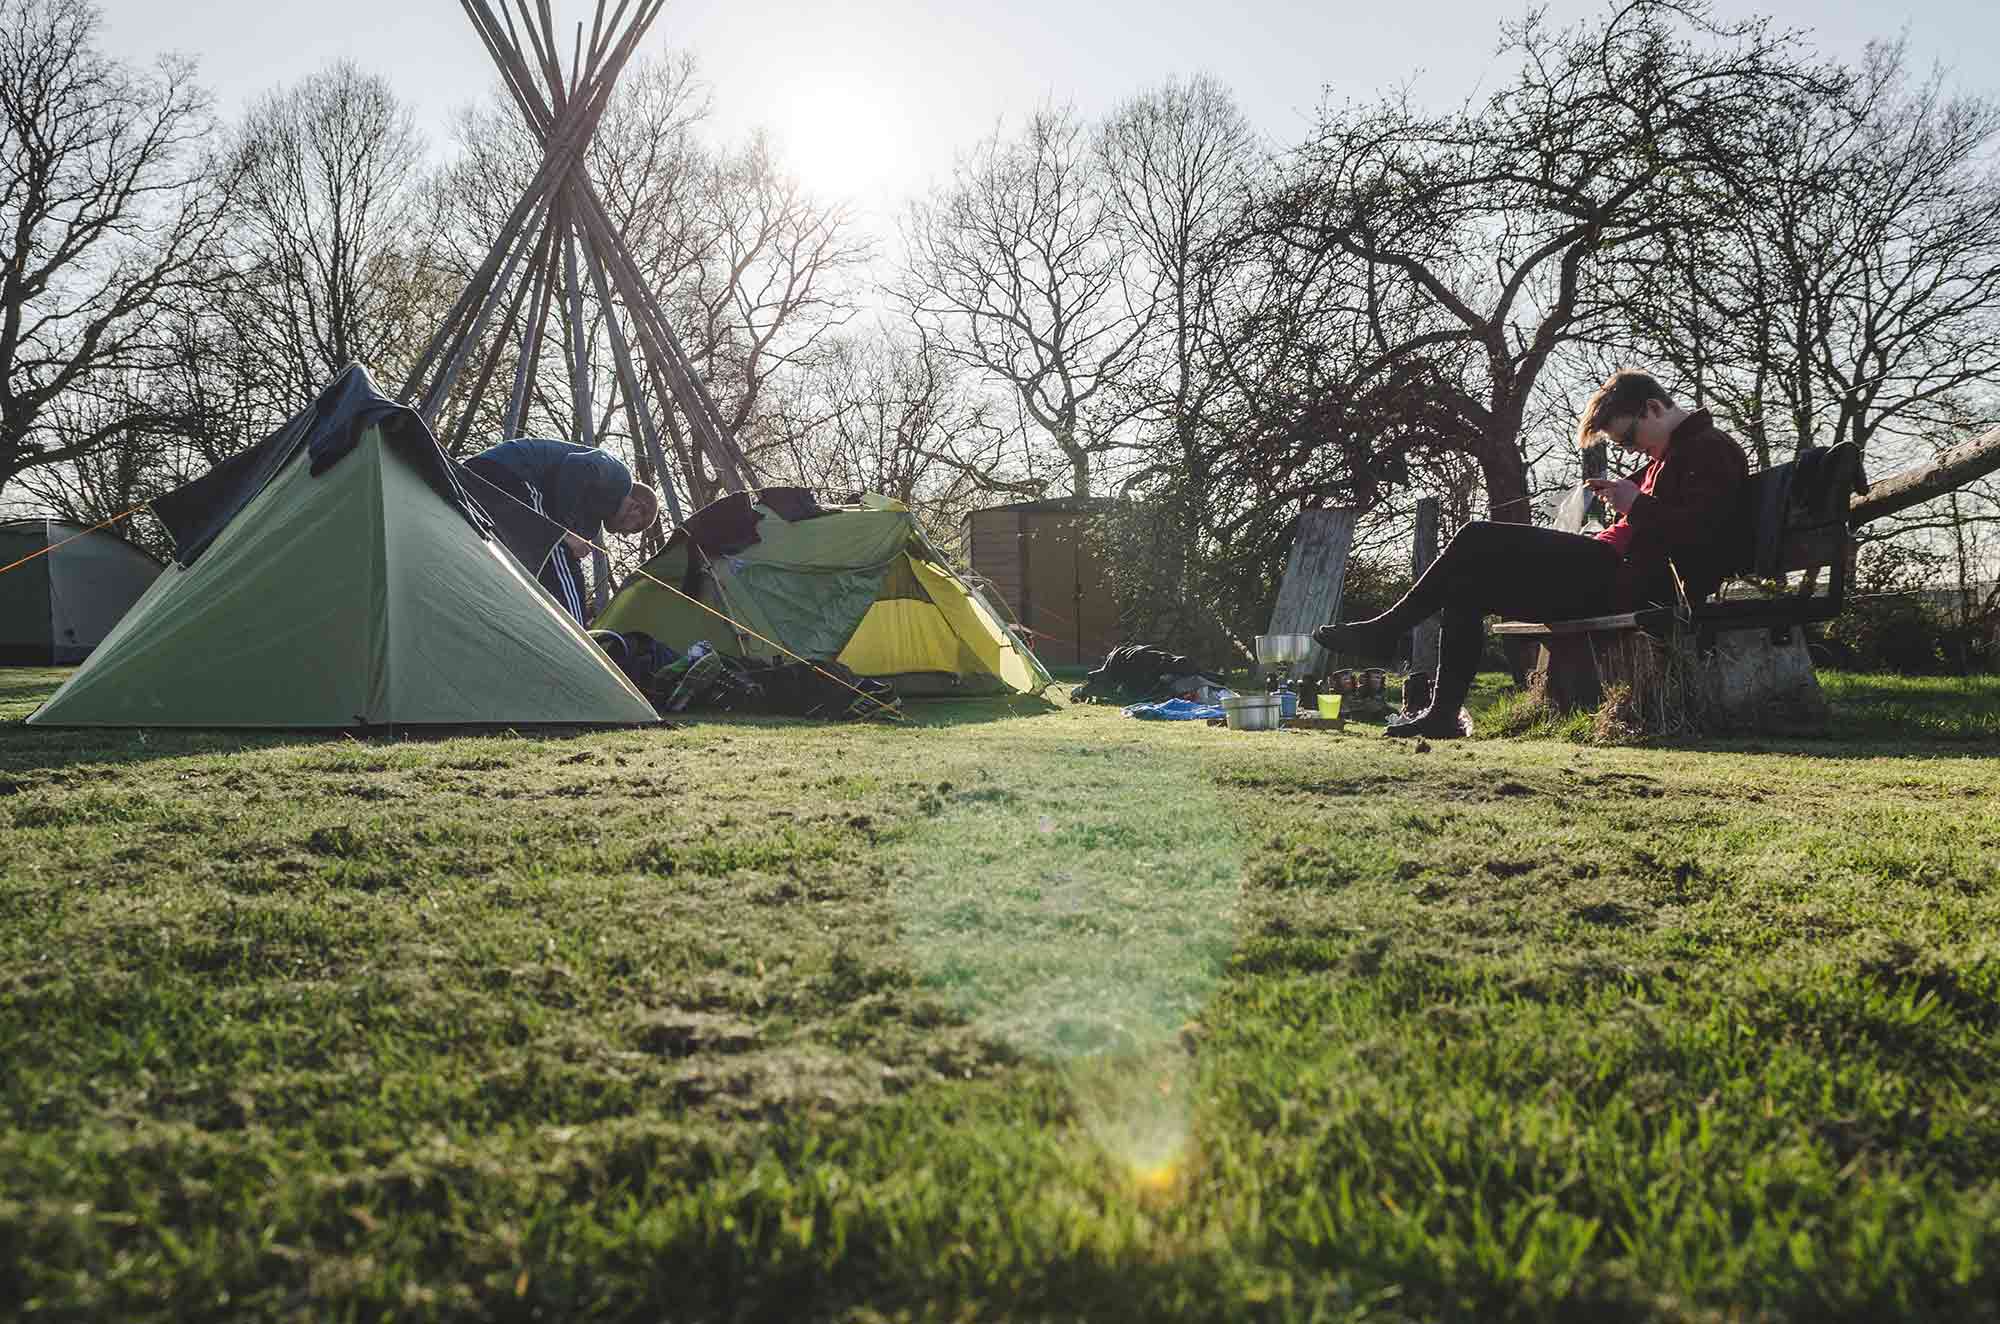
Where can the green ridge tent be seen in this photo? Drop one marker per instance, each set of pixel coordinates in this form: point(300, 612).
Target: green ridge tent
point(59, 606)
point(339, 576)
point(858, 584)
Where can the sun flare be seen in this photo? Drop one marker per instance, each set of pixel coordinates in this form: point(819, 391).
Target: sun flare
point(844, 137)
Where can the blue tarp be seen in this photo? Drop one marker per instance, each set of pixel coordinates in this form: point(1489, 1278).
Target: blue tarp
point(1174, 710)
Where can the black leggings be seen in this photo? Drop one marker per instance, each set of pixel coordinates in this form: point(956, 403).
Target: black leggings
point(1513, 570)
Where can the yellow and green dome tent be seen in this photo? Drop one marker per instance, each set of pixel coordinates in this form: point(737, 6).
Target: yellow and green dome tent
point(855, 583)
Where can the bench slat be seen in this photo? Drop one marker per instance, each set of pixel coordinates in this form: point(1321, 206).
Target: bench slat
point(1624, 620)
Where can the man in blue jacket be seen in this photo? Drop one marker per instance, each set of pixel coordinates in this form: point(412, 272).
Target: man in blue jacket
point(584, 489)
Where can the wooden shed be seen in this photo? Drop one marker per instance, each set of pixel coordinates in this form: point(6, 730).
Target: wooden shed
point(1035, 557)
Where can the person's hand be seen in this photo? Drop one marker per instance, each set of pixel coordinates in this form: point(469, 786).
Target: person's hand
point(578, 548)
point(1619, 492)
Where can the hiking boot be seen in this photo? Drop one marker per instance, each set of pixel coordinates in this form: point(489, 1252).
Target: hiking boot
point(1363, 638)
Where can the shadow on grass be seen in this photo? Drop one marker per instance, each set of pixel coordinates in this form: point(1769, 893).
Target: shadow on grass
point(973, 712)
point(25, 747)
point(24, 689)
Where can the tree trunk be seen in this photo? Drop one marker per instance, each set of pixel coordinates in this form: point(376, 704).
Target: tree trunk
point(1506, 480)
point(1079, 472)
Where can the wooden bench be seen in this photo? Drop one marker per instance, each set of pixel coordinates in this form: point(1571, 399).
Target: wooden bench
point(1748, 654)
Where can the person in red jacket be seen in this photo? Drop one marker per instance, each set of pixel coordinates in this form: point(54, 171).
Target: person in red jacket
point(1676, 533)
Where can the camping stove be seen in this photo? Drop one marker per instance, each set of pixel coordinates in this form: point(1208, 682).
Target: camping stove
point(1280, 652)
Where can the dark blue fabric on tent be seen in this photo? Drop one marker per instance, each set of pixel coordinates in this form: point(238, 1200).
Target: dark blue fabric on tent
point(328, 429)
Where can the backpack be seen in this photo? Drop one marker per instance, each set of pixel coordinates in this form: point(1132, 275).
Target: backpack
point(636, 653)
point(1139, 673)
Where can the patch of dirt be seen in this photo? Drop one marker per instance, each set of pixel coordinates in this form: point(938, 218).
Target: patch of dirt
point(1609, 914)
point(1634, 784)
point(1315, 786)
point(682, 1033)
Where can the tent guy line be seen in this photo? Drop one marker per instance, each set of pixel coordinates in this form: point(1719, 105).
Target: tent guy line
point(101, 524)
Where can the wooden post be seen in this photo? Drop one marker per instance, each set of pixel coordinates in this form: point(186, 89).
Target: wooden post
point(1424, 551)
point(1315, 572)
point(1596, 464)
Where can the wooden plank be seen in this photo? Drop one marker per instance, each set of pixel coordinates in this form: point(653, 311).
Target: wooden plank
point(1626, 620)
point(1423, 552)
point(1315, 573)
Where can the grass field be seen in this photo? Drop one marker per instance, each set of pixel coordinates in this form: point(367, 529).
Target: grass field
point(1012, 1012)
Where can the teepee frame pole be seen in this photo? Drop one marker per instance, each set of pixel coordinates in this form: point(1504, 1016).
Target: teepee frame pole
point(564, 147)
point(638, 414)
point(493, 352)
point(561, 207)
point(579, 346)
point(455, 361)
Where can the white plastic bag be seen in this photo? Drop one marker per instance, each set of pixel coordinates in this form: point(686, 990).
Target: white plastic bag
point(1569, 516)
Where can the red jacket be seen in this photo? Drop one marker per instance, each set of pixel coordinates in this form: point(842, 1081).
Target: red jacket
point(1691, 514)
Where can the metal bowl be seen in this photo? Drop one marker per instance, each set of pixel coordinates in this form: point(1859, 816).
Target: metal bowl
point(1251, 712)
point(1282, 649)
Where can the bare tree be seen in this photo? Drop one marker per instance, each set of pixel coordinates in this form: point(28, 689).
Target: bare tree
point(324, 246)
point(1856, 294)
point(1481, 242)
point(1180, 162)
point(891, 413)
point(1019, 268)
point(110, 207)
point(779, 282)
point(199, 401)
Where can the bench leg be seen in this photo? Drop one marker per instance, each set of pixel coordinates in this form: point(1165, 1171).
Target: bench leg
point(1566, 673)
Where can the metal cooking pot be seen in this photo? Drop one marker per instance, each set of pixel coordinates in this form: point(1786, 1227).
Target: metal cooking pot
point(1251, 712)
point(1277, 650)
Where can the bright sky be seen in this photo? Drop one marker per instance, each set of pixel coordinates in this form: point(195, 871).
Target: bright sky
point(872, 99)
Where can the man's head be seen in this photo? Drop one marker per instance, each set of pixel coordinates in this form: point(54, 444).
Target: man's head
point(1632, 411)
point(636, 512)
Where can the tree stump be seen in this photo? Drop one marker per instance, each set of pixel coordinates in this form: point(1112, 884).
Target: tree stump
point(1758, 682)
point(1755, 679)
